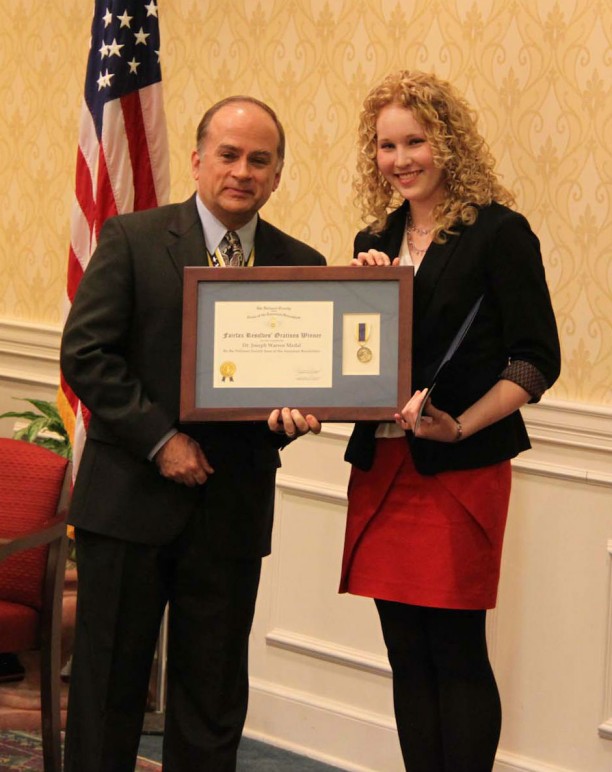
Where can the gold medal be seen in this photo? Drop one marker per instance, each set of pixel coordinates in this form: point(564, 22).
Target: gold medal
point(364, 354)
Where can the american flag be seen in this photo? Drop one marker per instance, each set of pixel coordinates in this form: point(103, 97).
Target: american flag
point(122, 158)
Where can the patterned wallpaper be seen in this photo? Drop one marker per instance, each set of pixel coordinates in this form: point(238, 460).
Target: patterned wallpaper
point(538, 71)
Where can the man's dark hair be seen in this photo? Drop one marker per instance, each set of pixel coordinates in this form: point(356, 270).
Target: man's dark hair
point(208, 115)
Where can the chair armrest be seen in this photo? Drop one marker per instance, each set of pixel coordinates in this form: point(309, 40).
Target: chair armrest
point(52, 530)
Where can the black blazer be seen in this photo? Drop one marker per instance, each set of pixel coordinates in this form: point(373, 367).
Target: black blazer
point(497, 257)
point(120, 354)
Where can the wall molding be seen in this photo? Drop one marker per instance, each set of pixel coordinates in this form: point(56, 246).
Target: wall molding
point(605, 728)
point(571, 424)
point(328, 651)
point(559, 472)
point(572, 440)
point(29, 353)
point(574, 424)
point(305, 487)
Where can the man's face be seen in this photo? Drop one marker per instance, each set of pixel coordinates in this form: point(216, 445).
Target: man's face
point(237, 168)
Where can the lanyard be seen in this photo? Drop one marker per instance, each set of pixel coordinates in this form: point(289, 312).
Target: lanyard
point(216, 260)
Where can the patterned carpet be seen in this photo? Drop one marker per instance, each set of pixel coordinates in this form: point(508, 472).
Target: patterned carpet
point(21, 751)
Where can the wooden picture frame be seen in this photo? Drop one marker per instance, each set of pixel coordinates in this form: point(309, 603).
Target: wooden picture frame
point(332, 341)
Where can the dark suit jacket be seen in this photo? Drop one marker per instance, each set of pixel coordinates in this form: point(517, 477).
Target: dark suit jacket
point(498, 257)
point(121, 353)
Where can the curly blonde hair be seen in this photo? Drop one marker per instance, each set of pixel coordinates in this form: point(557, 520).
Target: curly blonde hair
point(450, 126)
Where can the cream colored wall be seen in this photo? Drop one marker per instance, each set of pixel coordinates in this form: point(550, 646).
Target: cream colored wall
point(538, 71)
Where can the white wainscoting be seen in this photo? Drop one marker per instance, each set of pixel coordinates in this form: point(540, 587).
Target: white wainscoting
point(320, 680)
point(29, 353)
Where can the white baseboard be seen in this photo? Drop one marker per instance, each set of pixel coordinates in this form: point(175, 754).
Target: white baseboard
point(341, 736)
point(327, 731)
point(510, 762)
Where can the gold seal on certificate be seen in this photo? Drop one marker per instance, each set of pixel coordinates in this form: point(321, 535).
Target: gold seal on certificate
point(364, 354)
point(227, 370)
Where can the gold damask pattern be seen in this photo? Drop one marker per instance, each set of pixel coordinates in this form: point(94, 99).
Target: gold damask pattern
point(538, 72)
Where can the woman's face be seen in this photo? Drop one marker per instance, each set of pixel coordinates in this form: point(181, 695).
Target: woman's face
point(405, 158)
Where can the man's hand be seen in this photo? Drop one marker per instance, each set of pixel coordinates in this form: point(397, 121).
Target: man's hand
point(292, 423)
point(182, 460)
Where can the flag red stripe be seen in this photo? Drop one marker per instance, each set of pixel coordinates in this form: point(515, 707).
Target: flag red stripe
point(144, 185)
point(105, 198)
point(68, 393)
point(75, 274)
point(84, 188)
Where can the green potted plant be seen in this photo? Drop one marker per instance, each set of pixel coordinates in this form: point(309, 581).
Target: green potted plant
point(44, 427)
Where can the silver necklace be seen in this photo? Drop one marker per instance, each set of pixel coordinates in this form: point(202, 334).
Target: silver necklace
point(411, 228)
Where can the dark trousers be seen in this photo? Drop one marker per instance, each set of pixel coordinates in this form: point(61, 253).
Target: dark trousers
point(122, 592)
point(446, 700)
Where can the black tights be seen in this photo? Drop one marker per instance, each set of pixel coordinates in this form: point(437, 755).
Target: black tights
point(446, 701)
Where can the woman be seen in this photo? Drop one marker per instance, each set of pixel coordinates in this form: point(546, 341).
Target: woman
point(428, 497)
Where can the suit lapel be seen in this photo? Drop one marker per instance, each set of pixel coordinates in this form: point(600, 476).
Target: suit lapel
point(430, 272)
point(431, 269)
point(268, 250)
point(186, 244)
point(395, 232)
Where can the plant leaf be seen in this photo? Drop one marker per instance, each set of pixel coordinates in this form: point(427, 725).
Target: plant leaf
point(47, 421)
point(57, 427)
point(46, 408)
point(27, 415)
point(35, 428)
point(57, 446)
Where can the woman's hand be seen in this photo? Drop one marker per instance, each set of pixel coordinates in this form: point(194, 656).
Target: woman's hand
point(433, 424)
point(501, 400)
point(373, 257)
point(292, 423)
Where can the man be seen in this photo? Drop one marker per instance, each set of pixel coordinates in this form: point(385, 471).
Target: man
point(166, 512)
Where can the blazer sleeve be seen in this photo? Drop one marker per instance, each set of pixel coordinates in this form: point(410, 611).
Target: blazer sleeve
point(517, 281)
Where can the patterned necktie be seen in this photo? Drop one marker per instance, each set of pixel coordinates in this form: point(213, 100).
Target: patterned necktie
point(231, 249)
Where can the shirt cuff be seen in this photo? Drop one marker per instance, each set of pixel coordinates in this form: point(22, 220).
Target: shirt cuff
point(161, 443)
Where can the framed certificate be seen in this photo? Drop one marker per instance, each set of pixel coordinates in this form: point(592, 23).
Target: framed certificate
point(332, 341)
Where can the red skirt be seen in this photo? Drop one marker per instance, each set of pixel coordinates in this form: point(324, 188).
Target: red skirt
point(427, 540)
